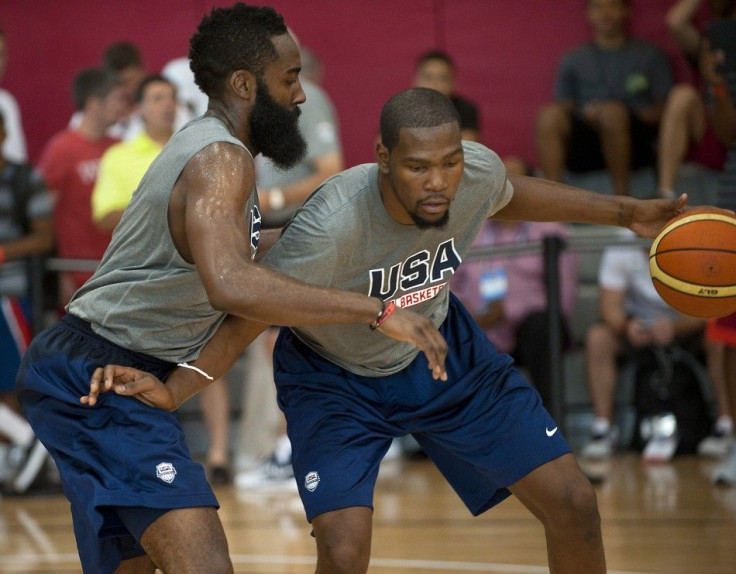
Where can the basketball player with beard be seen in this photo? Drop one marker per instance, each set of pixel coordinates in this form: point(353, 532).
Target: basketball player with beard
point(181, 265)
point(397, 230)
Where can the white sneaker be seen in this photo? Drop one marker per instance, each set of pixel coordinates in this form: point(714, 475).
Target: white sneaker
point(660, 449)
point(715, 445)
point(27, 464)
point(725, 473)
point(271, 475)
point(601, 446)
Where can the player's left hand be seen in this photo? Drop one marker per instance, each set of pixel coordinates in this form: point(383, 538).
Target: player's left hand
point(130, 382)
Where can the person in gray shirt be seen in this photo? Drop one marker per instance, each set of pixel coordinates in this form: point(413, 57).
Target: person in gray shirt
point(609, 98)
point(280, 191)
point(397, 230)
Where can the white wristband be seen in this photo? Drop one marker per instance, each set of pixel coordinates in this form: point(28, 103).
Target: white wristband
point(276, 199)
point(200, 371)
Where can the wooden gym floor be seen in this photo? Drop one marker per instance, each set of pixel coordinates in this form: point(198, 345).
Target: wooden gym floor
point(664, 519)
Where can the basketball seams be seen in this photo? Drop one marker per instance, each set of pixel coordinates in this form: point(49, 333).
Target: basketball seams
point(689, 288)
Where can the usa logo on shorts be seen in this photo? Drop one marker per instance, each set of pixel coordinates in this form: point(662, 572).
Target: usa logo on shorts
point(311, 481)
point(166, 472)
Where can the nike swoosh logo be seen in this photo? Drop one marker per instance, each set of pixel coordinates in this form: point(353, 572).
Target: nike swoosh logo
point(550, 432)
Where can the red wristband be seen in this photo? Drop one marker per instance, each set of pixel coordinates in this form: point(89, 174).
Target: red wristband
point(383, 314)
point(2, 256)
point(720, 91)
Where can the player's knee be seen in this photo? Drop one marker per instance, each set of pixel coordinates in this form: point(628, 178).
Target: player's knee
point(577, 508)
point(344, 556)
point(218, 563)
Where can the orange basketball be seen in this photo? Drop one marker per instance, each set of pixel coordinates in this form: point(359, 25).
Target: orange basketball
point(693, 263)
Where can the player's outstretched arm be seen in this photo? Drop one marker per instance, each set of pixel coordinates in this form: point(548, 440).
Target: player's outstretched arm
point(537, 199)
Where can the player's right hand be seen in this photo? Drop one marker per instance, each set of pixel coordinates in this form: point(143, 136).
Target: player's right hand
point(413, 328)
point(129, 382)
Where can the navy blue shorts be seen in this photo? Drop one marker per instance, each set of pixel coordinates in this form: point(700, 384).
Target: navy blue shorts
point(485, 428)
point(122, 463)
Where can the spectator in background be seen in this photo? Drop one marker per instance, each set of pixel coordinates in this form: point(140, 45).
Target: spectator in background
point(507, 295)
point(719, 74)
point(436, 70)
point(608, 102)
point(281, 193)
point(69, 164)
point(177, 71)
point(26, 228)
point(121, 169)
point(123, 59)
point(312, 69)
point(123, 165)
point(632, 317)
point(685, 126)
point(14, 148)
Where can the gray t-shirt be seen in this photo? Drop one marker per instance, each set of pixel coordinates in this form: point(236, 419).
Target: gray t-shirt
point(343, 237)
point(318, 124)
point(637, 74)
point(144, 296)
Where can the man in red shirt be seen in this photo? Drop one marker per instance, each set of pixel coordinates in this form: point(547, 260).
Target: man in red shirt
point(69, 166)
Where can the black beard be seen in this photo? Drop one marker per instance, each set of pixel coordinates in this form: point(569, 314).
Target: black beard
point(441, 223)
point(274, 130)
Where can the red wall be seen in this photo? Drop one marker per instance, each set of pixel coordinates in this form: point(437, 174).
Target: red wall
point(507, 53)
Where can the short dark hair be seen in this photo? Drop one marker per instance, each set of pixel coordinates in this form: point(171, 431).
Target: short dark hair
point(415, 108)
point(92, 82)
point(435, 55)
point(121, 55)
point(230, 39)
point(151, 79)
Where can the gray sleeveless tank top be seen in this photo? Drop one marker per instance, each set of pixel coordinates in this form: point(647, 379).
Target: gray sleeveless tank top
point(144, 296)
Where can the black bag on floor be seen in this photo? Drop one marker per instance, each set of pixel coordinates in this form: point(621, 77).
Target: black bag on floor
point(671, 380)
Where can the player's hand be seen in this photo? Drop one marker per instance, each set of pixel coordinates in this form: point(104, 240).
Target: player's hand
point(129, 382)
point(650, 216)
point(411, 327)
